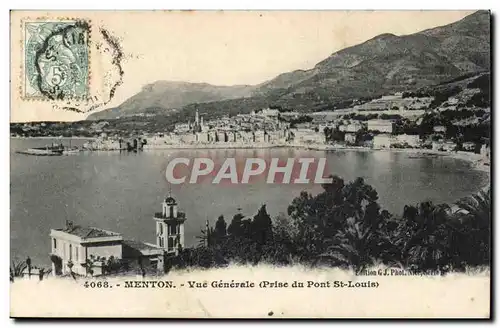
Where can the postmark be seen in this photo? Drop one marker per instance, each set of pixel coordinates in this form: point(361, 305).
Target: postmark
point(56, 59)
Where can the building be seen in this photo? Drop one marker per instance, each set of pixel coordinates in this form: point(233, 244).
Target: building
point(383, 126)
point(350, 138)
point(382, 141)
point(352, 127)
point(72, 245)
point(270, 112)
point(87, 250)
point(444, 146)
point(308, 136)
point(408, 140)
point(170, 226)
point(439, 129)
point(485, 152)
point(197, 126)
point(182, 127)
point(469, 146)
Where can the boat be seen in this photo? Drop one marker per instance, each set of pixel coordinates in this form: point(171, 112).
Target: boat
point(53, 150)
point(43, 151)
point(423, 155)
point(70, 151)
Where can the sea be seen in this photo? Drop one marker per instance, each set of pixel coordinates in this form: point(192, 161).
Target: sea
point(121, 191)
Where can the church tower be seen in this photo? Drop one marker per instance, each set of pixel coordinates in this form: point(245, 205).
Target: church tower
point(197, 118)
point(170, 226)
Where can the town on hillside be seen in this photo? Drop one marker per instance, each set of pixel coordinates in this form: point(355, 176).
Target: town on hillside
point(451, 118)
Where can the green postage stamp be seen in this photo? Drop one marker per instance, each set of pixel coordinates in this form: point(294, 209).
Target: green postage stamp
point(56, 59)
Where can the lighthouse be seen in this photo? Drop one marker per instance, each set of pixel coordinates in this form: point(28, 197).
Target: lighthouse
point(170, 226)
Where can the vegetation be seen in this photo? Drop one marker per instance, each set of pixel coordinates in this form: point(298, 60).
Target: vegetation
point(333, 134)
point(16, 269)
point(344, 226)
point(299, 120)
point(20, 268)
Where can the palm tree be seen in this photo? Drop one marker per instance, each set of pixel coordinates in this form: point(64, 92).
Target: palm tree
point(206, 237)
point(357, 246)
point(473, 229)
point(17, 268)
point(424, 236)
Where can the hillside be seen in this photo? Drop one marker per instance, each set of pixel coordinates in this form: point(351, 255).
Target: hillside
point(384, 64)
point(388, 63)
point(163, 96)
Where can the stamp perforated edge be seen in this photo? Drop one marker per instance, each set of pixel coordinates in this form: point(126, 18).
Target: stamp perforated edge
point(22, 87)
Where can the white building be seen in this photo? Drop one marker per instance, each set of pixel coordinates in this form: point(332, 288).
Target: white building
point(352, 127)
point(444, 146)
point(410, 140)
point(170, 226)
point(270, 112)
point(188, 138)
point(382, 141)
point(74, 247)
point(350, 138)
point(439, 129)
point(182, 127)
point(383, 126)
point(75, 244)
point(485, 152)
point(469, 146)
point(308, 136)
point(202, 137)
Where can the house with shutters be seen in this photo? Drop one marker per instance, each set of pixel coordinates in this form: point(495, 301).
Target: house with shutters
point(74, 246)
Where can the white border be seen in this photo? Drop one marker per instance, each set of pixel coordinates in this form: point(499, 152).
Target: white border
point(190, 4)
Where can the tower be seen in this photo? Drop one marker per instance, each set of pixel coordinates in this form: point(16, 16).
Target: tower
point(170, 226)
point(197, 118)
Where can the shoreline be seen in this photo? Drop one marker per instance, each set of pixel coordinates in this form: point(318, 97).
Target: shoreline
point(51, 138)
point(474, 160)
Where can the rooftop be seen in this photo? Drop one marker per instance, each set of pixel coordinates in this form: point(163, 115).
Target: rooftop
point(88, 232)
point(139, 245)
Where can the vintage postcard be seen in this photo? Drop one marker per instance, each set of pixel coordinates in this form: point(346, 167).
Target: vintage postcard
point(250, 164)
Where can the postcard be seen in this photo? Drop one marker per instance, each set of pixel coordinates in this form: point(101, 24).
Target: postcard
point(250, 164)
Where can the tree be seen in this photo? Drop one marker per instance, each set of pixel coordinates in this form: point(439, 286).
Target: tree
point(90, 263)
point(423, 236)
point(112, 265)
point(70, 266)
point(16, 269)
point(261, 226)
point(322, 220)
point(473, 229)
point(220, 227)
point(352, 246)
point(235, 227)
point(206, 237)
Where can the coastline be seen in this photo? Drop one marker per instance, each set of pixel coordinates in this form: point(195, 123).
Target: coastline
point(52, 138)
point(474, 160)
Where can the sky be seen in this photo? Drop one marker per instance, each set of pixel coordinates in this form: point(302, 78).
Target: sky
point(225, 48)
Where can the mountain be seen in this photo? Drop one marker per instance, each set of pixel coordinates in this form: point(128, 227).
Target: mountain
point(388, 63)
point(164, 96)
point(384, 64)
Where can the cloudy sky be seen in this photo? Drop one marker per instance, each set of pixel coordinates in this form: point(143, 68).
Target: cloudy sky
point(227, 48)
